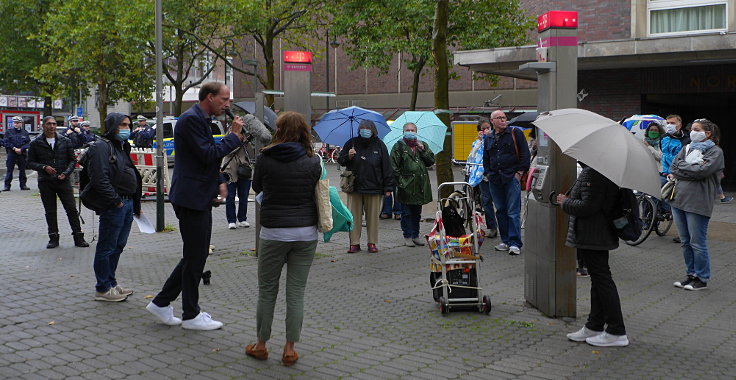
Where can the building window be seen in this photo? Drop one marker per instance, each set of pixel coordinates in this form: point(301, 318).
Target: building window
point(673, 17)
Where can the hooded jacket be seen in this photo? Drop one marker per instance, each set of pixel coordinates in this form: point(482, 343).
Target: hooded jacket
point(371, 165)
point(108, 181)
point(287, 176)
point(671, 146)
point(410, 172)
point(695, 191)
point(60, 157)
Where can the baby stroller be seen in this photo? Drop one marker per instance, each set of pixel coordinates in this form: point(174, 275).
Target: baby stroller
point(454, 258)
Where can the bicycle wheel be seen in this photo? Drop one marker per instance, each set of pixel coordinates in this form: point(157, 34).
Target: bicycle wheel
point(333, 156)
point(648, 215)
point(664, 221)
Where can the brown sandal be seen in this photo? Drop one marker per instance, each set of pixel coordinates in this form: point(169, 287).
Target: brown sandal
point(289, 360)
point(258, 354)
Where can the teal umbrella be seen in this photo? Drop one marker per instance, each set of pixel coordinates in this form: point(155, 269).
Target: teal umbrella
point(429, 129)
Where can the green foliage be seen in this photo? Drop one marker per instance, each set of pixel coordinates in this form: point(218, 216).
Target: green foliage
point(95, 42)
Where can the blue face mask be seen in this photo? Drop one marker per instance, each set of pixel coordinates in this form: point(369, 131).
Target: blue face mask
point(410, 135)
point(123, 135)
point(365, 133)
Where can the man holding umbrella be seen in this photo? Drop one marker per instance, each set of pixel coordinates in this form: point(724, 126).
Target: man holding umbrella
point(505, 158)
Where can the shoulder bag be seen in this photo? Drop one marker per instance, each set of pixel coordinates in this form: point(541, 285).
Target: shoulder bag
point(322, 199)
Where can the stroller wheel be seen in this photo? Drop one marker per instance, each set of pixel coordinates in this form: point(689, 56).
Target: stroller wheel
point(444, 306)
point(486, 305)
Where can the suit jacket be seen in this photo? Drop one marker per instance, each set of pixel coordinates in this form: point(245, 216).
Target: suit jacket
point(197, 160)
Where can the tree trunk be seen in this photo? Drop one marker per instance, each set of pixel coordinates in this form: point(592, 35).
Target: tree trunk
point(270, 77)
point(417, 74)
point(102, 104)
point(441, 92)
point(179, 98)
point(48, 106)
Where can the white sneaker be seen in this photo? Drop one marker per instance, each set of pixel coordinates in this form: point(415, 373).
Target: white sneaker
point(203, 321)
point(583, 334)
point(418, 241)
point(244, 224)
point(232, 226)
point(608, 340)
point(409, 242)
point(514, 250)
point(502, 247)
point(165, 314)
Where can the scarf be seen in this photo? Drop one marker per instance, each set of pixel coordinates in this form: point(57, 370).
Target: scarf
point(652, 142)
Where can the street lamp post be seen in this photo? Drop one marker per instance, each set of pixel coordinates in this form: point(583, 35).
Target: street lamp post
point(334, 44)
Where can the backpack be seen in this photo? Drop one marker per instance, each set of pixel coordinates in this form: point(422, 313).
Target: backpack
point(83, 160)
point(454, 211)
point(625, 215)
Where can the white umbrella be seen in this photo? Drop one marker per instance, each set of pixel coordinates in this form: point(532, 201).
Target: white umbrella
point(604, 145)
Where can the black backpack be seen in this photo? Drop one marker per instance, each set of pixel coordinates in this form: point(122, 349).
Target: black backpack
point(452, 219)
point(83, 159)
point(625, 215)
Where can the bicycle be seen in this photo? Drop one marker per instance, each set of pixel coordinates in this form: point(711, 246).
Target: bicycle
point(653, 216)
point(330, 154)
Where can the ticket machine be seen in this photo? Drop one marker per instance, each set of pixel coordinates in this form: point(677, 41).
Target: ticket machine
point(549, 265)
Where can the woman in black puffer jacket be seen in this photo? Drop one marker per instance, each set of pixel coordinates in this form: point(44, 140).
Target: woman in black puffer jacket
point(591, 232)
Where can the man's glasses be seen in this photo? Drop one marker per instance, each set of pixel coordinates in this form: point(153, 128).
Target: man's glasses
point(500, 118)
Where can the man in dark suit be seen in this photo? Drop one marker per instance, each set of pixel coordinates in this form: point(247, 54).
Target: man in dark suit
point(195, 186)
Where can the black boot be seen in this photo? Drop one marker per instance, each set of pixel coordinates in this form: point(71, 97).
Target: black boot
point(79, 239)
point(53, 241)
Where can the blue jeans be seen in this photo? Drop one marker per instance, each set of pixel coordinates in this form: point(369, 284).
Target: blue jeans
point(693, 229)
point(487, 201)
point(114, 230)
point(387, 207)
point(410, 217)
point(243, 188)
point(507, 199)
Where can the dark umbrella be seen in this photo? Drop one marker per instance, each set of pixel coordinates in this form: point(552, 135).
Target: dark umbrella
point(268, 114)
point(524, 120)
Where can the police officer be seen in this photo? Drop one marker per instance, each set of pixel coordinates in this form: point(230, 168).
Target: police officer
point(143, 134)
point(73, 132)
point(52, 156)
point(16, 145)
point(85, 135)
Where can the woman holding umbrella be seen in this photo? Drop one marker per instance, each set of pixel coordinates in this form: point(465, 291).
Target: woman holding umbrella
point(367, 157)
point(696, 168)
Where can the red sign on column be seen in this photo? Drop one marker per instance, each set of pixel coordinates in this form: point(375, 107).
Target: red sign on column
point(297, 57)
point(557, 19)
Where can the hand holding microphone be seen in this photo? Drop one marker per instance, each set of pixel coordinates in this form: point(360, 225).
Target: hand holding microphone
point(237, 125)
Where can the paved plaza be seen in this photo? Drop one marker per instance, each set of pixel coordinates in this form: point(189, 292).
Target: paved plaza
point(367, 316)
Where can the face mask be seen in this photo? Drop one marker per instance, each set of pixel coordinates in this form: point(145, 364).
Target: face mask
point(410, 135)
point(670, 128)
point(365, 133)
point(653, 134)
point(697, 136)
point(123, 135)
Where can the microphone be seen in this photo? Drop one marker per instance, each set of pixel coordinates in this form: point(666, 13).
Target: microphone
point(256, 129)
point(229, 113)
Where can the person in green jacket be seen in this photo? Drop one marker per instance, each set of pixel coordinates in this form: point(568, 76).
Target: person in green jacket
point(410, 159)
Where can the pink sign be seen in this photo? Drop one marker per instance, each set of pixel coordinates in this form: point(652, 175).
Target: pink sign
point(297, 67)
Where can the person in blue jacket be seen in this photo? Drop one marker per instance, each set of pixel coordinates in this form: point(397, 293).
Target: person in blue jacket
point(676, 137)
point(143, 133)
point(195, 186)
point(85, 135)
point(16, 145)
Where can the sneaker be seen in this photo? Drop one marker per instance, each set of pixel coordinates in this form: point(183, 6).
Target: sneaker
point(409, 242)
point(676, 240)
point(244, 224)
point(582, 272)
point(111, 295)
point(608, 340)
point(418, 241)
point(354, 248)
point(685, 282)
point(492, 233)
point(583, 334)
point(727, 200)
point(385, 216)
point(165, 314)
point(501, 247)
point(514, 250)
point(372, 248)
point(232, 226)
point(123, 291)
point(397, 217)
point(24, 187)
point(696, 284)
point(203, 321)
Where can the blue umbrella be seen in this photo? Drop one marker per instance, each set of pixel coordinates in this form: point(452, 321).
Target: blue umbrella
point(429, 129)
point(338, 126)
point(638, 124)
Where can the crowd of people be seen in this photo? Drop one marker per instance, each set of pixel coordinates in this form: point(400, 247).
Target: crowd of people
point(386, 183)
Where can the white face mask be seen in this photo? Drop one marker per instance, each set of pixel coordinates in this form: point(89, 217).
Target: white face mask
point(697, 136)
point(670, 128)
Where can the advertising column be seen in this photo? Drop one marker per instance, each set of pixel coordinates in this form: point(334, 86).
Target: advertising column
point(297, 82)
